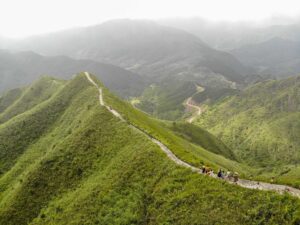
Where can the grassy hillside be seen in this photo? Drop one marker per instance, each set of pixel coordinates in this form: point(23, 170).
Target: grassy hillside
point(9, 97)
point(261, 124)
point(211, 95)
point(165, 101)
point(192, 153)
point(87, 167)
point(33, 95)
point(202, 138)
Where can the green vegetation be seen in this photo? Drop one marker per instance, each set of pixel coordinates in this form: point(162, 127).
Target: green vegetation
point(287, 174)
point(88, 167)
point(9, 97)
point(193, 153)
point(165, 101)
point(202, 138)
point(212, 94)
point(40, 91)
point(262, 126)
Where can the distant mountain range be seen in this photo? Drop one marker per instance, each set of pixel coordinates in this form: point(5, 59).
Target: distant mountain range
point(232, 35)
point(149, 53)
point(278, 57)
point(170, 59)
point(143, 47)
point(272, 50)
point(21, 68)
point(174, 48)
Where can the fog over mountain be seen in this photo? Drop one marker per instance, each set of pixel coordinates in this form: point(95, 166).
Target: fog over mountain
point(143, 47)
point(278, 57)
point(149, 112)
point(188, 52)
point(167, 52)
point(270, 48)
point(230, 35)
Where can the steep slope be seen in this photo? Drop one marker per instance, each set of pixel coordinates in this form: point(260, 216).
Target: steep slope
point(282, 189)
point(165, 101)
point(22, 68)
point(211, 95)
point(31, 96)
point(201, 137)
point(261, 123)
point(143, 47)
point(191, 153)
point(9, 97)
point(168, 99)
point(88, 167)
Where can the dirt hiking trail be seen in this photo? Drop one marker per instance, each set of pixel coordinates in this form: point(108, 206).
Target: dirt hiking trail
point(241, 182)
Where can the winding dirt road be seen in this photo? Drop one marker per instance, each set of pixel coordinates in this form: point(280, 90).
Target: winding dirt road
point(241, 182)
point(189, 104)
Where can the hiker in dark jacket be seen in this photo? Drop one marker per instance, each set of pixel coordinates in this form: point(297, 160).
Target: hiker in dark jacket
point(220, 174)
point(203, 169)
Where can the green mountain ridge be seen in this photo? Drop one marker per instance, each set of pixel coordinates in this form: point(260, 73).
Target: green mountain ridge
point(69, 161)
point(261, 124)
point(38, 92)
point(9, 97)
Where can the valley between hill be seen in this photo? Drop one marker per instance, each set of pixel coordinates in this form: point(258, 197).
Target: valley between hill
point(261, 126)
point(66, 160)
point(244, 183)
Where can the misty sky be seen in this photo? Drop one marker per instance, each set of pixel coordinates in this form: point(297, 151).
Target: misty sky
point(20, 18)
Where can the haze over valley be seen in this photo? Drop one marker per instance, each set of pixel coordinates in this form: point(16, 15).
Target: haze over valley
point(150, 113)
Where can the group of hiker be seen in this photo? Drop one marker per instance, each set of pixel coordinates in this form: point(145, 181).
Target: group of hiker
point(221, 174)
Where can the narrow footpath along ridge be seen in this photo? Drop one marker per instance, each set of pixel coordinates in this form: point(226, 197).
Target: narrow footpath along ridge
point(241, 182)
point(114, 112)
